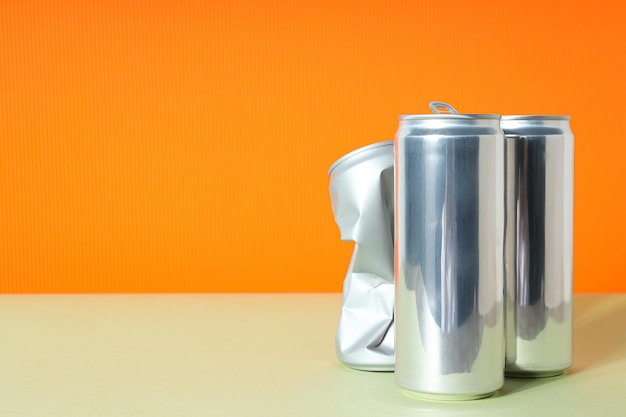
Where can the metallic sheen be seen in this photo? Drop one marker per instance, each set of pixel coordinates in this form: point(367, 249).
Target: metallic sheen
point(538, 246)
point(449, 255)
point(362, 198)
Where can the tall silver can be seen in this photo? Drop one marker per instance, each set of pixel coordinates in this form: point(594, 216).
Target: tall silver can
point(449, 254)
point(538, 245)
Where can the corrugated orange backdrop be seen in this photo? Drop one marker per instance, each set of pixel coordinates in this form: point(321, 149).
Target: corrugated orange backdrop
point(152, 146)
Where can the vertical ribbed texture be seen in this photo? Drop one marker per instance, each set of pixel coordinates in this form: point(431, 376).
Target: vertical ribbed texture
point(183, 145)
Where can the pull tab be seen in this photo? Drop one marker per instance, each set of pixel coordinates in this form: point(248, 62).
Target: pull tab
point(436, 105)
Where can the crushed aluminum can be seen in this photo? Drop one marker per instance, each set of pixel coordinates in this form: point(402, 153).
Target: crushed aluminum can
point(362, 197)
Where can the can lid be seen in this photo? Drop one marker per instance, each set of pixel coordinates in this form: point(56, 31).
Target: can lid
point(463, 116)
point(535, 125)
point(444, 110)
point(357, 152)
point(536, 117)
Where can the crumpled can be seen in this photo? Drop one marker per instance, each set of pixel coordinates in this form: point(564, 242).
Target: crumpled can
point(362, 197)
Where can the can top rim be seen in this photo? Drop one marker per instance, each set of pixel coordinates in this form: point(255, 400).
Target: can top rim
point(536, 117)
point(357, 151)
point(463, 116)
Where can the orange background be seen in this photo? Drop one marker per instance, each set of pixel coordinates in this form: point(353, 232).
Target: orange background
point(156, 146)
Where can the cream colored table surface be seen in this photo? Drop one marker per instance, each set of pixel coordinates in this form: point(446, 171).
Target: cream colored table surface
point(255, 355)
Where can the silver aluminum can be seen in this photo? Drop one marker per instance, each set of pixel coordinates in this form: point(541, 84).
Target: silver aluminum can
point(538, 244)
point(362, 197)
point(449, 255)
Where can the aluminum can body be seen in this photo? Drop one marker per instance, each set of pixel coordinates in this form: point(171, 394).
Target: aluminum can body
point(538, 244)
point(449, 255)
point(362, 197)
